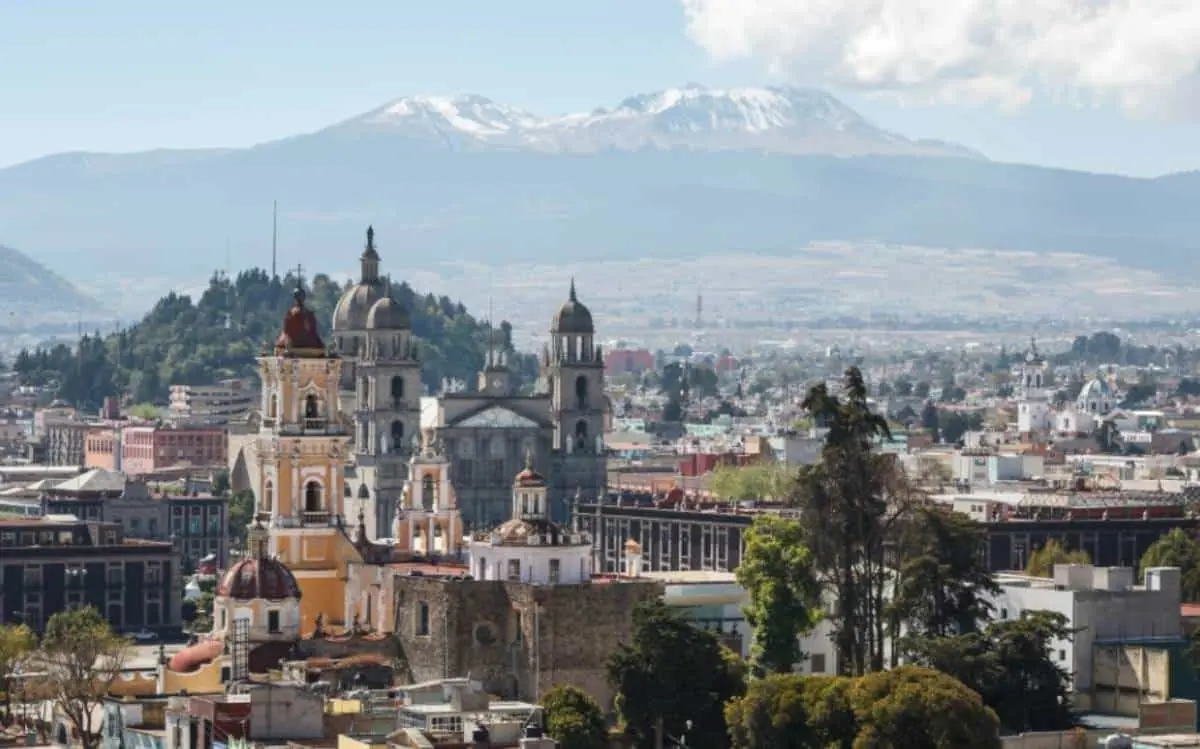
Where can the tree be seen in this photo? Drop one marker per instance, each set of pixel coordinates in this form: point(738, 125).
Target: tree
point(674, 673)
point(916, 707)
point(884, 389)
point(574, 719)
point(785, 598)
point(17, 642)
point(929, 420)
point(953, 426)
point(902, 708)
point(1042, 561)
point(765, 480)
point(944, 581)
point(1176, 549)
point(1012, 666)
point(240, 514)
point(922, 388)
point(83, 657)
point(848, 503)
point(903, 387)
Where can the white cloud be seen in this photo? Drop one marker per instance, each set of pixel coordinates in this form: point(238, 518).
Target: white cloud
point(1136, 53)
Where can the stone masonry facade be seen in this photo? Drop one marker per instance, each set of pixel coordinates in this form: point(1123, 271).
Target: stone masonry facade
point(518, 639)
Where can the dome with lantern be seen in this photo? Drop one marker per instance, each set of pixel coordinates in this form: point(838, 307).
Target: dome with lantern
point(261, 591)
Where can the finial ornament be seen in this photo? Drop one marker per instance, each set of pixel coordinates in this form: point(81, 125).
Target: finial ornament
point(370, 237)
point(528, 460)
point(573, 297)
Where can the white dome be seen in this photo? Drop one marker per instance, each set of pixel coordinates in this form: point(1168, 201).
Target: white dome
point(1097, 396)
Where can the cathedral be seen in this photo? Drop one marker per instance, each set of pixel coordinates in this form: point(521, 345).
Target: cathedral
point(1036, 411)
point(484, 434)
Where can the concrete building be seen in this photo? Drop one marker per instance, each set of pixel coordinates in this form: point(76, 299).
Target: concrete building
point(197, 525)
point(149, 448)
point(1107, 610)
point(217, 405)
point(52, 563)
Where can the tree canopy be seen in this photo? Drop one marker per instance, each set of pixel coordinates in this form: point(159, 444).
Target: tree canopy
point(905, 708)
point(1042, 561)
point(674, 672)
point(785, 598)
point(573, 719)
point(1177, 549)
point(189, 341)
point(83, 658)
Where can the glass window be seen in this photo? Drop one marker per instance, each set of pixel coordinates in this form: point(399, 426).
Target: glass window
point(554, 572)
point(514, 570)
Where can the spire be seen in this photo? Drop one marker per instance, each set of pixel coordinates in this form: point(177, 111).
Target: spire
point(573, 297)
point(370, 259)
point(529, 460)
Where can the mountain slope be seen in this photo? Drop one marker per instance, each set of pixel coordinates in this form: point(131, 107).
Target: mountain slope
point(458, 180)
point(31, 294)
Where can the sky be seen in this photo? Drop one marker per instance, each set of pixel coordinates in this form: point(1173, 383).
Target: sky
point(1107, 85)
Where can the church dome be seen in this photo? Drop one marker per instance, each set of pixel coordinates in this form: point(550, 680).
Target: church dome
point(300, 327)
point(354, 306)
point(573, 316)
point(388, 314)
point(519, 531)
point(263, 578)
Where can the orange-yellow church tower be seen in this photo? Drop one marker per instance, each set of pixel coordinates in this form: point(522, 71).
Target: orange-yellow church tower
point(301, 450)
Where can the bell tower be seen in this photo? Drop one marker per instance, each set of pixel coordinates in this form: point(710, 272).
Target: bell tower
point(573, 366)
point(301, 449)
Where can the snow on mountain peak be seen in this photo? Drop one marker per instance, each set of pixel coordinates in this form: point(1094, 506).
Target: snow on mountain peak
point(789, 120)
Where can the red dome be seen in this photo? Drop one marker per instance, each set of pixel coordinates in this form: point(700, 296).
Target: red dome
point(259, 578)
point(195, 656)
point(300, 327)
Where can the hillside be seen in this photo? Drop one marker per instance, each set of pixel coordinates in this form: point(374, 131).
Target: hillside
point(186, 341)
point(666, 175)
point(33, 295)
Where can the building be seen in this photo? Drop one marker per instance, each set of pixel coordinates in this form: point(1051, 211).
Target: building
point(227, 400)
point(102, 448)
point(485, 433)
point(628, 361)
point(52, 563)
point(300, 453)
point(380, 387)
point(198, 525)
point(1110, 615)
point(427, 522)
point(150, 448)
point(65, 441)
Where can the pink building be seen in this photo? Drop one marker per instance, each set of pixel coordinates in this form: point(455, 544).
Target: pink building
point(627, 361)
point(146, 449)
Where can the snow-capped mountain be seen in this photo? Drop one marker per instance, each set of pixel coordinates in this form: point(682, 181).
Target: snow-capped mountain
point(777, 120)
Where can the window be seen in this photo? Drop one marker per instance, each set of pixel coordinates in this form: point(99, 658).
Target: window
point(397, 391)
point(422, 623)
point(496, 470)
point(1003, 613)
point(74, 599)
point(428, 493)
point(451, 725)
point(312, 408)
point(110, 538)
point(466, 472)
point(581, 392)
point(46, 538)
point(1062, 655)
point(33, 576)
point(115, 617)
point(273, 621)
point(816, 663)
point(514, 570)
point(554, 572)
point(397, 435)
point(581, 435)
point(115, 573)
point(313, 501)
point(153, 573)
point(8, 538)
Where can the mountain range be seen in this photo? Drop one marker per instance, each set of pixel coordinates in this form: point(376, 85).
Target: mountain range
point(32, 295)
point(671, 174)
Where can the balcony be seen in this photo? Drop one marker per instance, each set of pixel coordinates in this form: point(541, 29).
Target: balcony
point(316, 518)
point(314, 425)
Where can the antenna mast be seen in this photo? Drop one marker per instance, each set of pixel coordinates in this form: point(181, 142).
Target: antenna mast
point(274, 234)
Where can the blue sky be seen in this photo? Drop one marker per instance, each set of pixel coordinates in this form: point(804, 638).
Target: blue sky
point(127, 75)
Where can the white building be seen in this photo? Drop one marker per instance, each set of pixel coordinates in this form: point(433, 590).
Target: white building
point(1103, 605)
point(708, 599)
point(529, 547)
point(217, 404)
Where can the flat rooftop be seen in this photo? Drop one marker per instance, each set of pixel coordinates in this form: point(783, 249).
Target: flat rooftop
point(691, 577)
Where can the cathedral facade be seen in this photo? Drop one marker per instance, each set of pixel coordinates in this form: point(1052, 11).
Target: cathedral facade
point(485, 434)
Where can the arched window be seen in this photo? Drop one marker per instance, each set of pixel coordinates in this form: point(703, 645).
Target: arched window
point(313, 499)
point(268, 497)
point(581, 392)
point(312, 407)
point(364, 492)
point(397, 390)
point(397, 435)
point(428, 492)
point(581, 435)
point(422, 622)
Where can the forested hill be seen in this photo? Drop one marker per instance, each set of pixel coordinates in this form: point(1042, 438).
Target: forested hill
point(186, 341)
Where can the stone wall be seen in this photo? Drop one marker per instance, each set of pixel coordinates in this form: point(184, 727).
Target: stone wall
point(518, 639)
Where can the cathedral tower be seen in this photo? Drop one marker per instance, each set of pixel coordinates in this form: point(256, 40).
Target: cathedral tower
point(383, 392)
point(574, 372)
point(301, 449)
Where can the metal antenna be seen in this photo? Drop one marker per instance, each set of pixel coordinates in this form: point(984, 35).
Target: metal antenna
point(274, 235)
